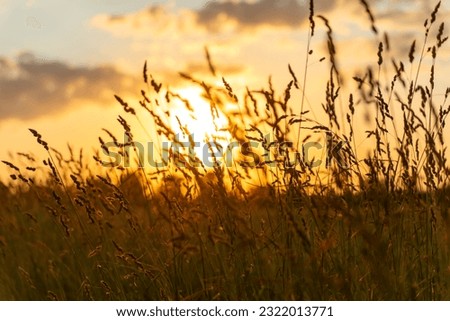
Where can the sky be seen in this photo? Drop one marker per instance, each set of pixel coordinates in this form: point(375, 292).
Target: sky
point(62, 62)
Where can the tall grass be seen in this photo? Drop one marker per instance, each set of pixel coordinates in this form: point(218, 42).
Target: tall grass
point(271, 224)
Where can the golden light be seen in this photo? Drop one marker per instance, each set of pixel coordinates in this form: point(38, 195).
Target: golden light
point(204, 124)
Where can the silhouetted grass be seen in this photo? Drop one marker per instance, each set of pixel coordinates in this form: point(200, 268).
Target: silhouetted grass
point(271, 226)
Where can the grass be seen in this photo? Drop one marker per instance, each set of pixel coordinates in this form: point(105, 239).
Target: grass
point(270, 226)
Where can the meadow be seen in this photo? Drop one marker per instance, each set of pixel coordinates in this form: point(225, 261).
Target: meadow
point(269, 222)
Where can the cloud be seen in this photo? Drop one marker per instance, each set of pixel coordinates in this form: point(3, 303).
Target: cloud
point(33, 87)
point(279, 13)
point(230, 17)
point(157, 20)
point(215, 16)
point(287, 13)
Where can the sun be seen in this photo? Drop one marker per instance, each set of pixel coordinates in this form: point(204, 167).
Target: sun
point(201, 123)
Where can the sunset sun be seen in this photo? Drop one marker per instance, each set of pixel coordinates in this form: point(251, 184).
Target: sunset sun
point(206, 124)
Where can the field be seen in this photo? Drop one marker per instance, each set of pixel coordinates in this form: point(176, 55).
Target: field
point(285, 206)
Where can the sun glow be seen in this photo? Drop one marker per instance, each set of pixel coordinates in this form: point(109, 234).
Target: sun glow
point(205, 124)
